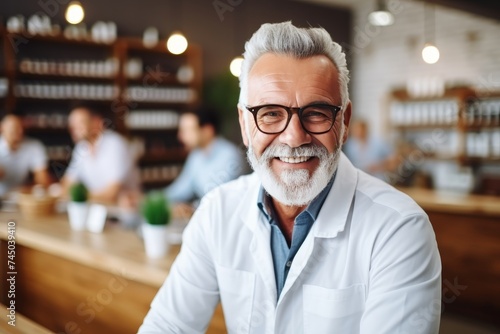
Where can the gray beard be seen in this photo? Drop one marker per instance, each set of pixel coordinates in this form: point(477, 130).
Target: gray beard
point(294, 187)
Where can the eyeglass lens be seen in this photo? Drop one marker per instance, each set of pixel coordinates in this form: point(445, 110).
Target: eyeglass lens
point(314, 119)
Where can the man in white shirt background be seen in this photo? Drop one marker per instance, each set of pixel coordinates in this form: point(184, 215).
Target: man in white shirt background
point(20, 156)
point(102, 159)
point(307, 243)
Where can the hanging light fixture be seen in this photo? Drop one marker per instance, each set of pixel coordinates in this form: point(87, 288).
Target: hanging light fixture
point(177, 43)
point(74, 13)
point(381, 17)
point(430, 52)
point(238, 24)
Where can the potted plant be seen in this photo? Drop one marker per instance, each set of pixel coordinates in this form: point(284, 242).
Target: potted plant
point(156, 213)
point(78, 207)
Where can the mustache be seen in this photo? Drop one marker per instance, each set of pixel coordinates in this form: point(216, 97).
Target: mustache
point(283, 150)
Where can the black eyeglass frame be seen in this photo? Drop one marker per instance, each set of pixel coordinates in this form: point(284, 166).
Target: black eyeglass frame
point(299, 110)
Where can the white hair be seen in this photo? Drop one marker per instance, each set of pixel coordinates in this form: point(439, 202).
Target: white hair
point(287, 39)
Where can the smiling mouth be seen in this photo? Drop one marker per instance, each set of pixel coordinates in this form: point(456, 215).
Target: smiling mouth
point(294, 160)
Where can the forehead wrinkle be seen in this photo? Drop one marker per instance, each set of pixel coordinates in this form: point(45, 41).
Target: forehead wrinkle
point(273, 81)
point(272, 89)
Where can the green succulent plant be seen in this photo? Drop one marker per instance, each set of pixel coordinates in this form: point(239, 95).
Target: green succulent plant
point(155, 208)
point(78, 192)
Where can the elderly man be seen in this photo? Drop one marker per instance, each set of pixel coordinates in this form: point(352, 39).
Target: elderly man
point(102, 159)
point(307, 243)
point(20, 156)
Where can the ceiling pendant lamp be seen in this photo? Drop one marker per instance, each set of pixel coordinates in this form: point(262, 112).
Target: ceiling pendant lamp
point(238, 26)
point(177, 43)
point(430, 52)
point(74, 13)
point(381, 16)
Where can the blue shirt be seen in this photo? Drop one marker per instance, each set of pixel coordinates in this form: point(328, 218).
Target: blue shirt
point(205, 169)
point(282, 254)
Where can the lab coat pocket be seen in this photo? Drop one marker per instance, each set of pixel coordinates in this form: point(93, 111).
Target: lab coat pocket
point(236, 293)
point(333, 310)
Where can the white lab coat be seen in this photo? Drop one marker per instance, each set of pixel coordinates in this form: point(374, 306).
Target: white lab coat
point(369, 264)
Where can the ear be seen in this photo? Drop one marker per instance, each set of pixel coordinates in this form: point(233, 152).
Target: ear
point(241, 119)
point(347, 120)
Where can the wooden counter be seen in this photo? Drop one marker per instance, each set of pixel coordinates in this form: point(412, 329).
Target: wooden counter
point(455, 203)
point(467, 229)
point(81, 282)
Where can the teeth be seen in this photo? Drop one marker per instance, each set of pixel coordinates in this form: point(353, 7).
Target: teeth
point(294, 160)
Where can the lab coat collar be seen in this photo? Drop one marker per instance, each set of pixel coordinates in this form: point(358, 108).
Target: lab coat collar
point(260, 246)
point(331, 220)
point(333, 215)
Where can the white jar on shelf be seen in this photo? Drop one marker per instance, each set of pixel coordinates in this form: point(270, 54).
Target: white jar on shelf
point(495, 143)
point(150, 37)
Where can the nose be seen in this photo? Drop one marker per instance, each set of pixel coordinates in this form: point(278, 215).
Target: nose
point(294, 134)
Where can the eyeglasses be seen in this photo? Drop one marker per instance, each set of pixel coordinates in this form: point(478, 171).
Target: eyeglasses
point(314, 118)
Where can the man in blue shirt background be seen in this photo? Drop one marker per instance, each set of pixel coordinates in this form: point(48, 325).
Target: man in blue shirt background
point(369, 152)
point(212, 160)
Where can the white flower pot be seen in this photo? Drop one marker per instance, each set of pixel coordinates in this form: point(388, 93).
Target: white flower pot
point(77, 214)
point(96, 218)
point(155, 240)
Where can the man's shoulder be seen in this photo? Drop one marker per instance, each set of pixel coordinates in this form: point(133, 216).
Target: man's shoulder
point(31, 144)
point(226, 145)
point(377, 193)
point(113, 138)
point(113, 135)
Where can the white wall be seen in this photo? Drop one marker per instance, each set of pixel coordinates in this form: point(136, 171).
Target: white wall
point(388, 57)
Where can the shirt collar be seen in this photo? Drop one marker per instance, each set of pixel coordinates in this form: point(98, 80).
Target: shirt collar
point(312, 209)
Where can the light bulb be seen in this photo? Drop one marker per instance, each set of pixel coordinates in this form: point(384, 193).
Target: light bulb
point(381, 18)
point(74, 13)
point(430, 54)
point(177, 43)
point(235, 66)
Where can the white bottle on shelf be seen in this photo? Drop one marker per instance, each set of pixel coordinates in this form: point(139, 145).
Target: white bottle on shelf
point(495, 143)
point(471, 144)
point(483, 144)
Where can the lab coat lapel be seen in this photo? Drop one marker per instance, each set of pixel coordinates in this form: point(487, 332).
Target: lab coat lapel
point(260, 246)
point(331, 220)
point(333, 215)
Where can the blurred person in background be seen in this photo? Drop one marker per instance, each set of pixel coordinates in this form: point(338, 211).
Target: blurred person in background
point(368, 152)
point(212, 160)
point(20, 156)
point(102, 159)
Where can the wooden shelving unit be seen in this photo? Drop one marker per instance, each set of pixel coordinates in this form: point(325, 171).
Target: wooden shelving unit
point(46, 73)
point(460, 126)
